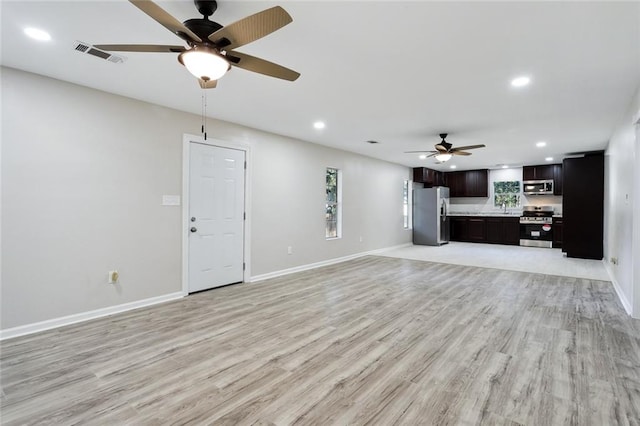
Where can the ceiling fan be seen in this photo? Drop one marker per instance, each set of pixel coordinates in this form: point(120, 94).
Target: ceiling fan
point(210, 52)
point(444, 150)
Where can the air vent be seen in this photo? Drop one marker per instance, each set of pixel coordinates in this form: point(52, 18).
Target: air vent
point(90, 50)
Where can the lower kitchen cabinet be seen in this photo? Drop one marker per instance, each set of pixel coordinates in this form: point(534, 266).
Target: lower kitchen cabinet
point(458, 230)
point(494, 230)
point(476, 228)
point(557, 232)
point(511, 229)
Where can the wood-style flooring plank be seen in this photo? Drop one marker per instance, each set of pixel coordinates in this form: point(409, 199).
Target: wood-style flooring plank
point(374, 340)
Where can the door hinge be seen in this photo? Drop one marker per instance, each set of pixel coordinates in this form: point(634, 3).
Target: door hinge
point(245, 165)
point(245, 216)
point(244, 266)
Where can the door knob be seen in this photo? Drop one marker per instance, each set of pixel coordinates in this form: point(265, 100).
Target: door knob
point(193, 229)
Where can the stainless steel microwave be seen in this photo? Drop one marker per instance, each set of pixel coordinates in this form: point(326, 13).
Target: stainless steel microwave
point(538, 187)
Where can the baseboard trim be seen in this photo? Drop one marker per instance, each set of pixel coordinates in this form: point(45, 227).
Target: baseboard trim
point(85, 316)
point(328, 262)
point(623, 299)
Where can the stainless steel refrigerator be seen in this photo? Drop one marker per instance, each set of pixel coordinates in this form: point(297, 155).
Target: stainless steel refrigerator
point(430, 221)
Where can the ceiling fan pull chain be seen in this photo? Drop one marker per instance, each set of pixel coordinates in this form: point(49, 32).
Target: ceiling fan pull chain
point(203, 128)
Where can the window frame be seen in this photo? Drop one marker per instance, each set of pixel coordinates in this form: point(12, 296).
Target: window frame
point(517, 195)
point(337, 203)
point(407, 204)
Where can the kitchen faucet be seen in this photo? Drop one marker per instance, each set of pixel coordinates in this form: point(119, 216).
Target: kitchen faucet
point(504, 206)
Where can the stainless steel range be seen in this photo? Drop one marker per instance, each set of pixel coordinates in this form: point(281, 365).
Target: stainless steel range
point(536, 226)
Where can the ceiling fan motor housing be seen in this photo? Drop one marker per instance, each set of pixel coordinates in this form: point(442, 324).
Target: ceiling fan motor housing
point(202, 27)
point(206, 7)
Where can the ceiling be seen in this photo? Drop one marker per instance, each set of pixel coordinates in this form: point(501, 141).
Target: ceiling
point(395, 72)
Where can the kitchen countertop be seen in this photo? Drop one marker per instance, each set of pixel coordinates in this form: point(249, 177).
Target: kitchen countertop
point(488, 214)
point(493, 214)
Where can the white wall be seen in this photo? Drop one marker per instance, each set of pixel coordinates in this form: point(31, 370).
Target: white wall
point(622, 208)
point(83, 174)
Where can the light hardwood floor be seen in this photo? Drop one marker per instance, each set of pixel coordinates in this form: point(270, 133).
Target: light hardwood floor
point(374, 340)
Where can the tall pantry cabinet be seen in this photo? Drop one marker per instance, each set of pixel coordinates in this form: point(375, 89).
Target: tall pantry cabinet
point(583, 206)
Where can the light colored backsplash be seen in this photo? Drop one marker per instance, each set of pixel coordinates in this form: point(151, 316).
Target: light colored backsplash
point(486, 204)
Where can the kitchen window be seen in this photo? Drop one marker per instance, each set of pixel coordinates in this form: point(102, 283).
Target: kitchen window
point(406, 204)
point(506, 193)
point(333, 213)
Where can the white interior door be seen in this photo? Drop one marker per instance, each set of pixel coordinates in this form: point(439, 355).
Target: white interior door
point(216, 216)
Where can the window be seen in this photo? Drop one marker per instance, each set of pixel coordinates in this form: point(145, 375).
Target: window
point(506, 193)
point(406, 204)
point(333, 212)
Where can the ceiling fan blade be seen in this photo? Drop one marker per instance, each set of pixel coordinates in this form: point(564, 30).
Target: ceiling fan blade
point(261, 66)
point(418, 152)
point(211, 84)
point(462, 148)
point(441, 148)
point(251, 28)
point(455, 152)
point(159, 15)
point(141, 48)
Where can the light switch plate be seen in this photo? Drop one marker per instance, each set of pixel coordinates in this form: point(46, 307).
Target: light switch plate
point(170, 200)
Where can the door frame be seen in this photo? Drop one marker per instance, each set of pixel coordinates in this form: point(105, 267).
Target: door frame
point(187, 139)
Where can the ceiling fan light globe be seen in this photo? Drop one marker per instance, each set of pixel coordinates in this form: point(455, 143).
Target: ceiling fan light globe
point(443, 157)
point(205, 64)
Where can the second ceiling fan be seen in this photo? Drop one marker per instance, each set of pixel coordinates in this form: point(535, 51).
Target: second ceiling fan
point(210, 52)
point(444, 150)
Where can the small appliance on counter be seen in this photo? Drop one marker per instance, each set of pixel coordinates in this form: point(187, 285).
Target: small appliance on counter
point(430, 221)
point(536, 226)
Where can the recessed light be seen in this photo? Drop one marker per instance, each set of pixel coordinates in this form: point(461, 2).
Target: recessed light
point(422, 156)
point(541, 144)
point(37, 34)
point(505, 167)
point(319, 125)
point(520, 81)
point(453, 166)
point(548, 159)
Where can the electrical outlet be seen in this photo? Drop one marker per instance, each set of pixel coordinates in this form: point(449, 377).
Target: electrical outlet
point(113, 277)
point(289, 250)
point(360, 238)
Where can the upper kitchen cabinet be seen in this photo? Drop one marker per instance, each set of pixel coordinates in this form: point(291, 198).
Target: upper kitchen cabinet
point(542, 172)
point(557, 179)
point(470, 183)
point(427, 176)
point(583, 206)
point(545, 172)
point(456, 183)
point(477, 183)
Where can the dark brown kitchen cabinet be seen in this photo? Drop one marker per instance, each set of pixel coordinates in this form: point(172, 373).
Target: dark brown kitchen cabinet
point(456, 183)
point(458, 230)
point(428, 177)
point(557, 232)
point(542, 172)
point(511, 231)
point(557, 179)
point(494, 230)
point(469, 183)
point(503, 230)
point(583, 206)
point(476, 229)
point(477, 183)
